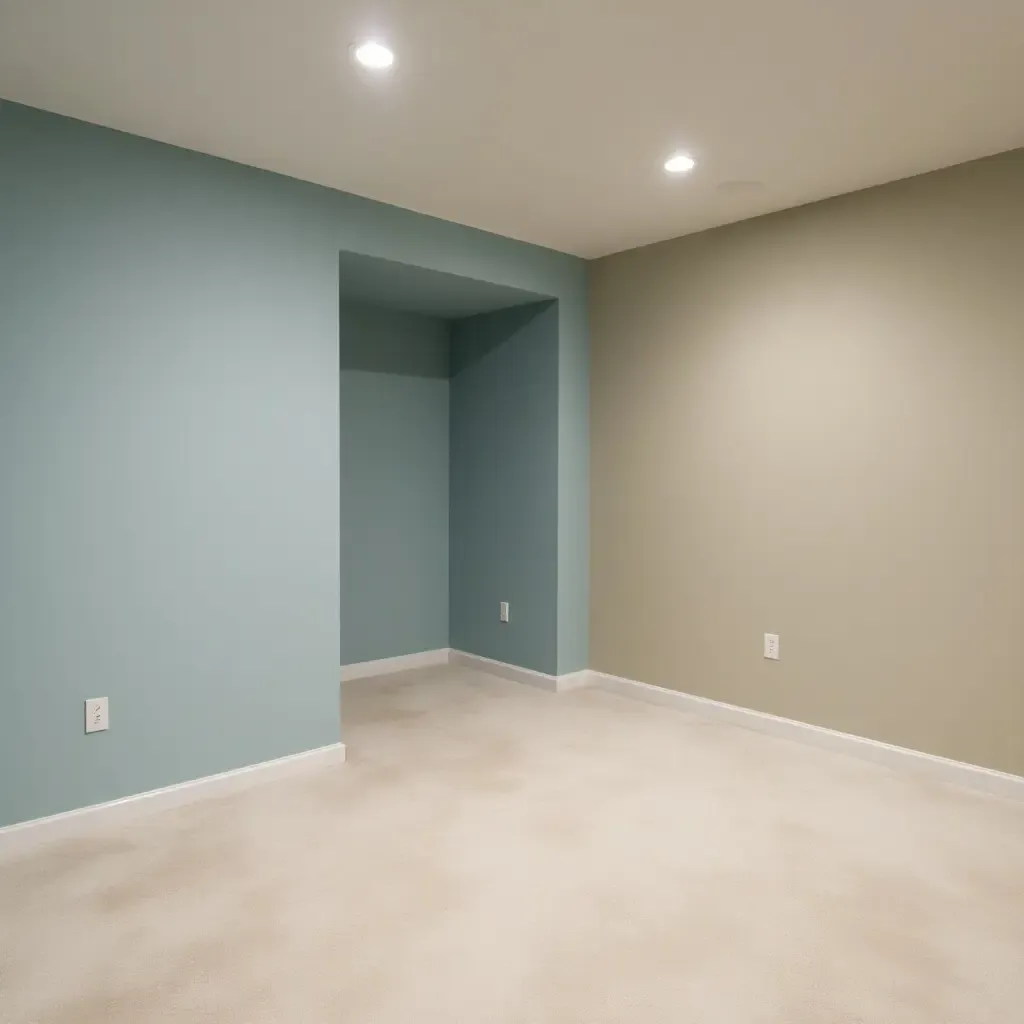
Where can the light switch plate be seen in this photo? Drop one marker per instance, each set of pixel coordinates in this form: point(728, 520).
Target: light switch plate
point(503, 611)
point(97, 716)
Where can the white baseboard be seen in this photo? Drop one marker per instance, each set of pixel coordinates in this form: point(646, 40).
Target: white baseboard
point(24, 836)
point(518, 674)
point(402, 663)
point(574, 680)
point(957, 773)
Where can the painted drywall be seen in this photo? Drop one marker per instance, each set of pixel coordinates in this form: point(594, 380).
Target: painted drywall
point(394, 483)
point(573, 488)
point(389, 341)
point(370, 281)
point(504, 485)
point(169, 450)
point(812, 424)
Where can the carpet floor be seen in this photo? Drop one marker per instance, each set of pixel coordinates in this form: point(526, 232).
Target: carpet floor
point(495, 853)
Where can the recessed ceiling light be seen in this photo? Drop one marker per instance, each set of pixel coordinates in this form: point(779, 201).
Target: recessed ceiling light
point(373, 55)
point(680, 163)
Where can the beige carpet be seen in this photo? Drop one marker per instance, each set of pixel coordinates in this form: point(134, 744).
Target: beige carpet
point(493, 853)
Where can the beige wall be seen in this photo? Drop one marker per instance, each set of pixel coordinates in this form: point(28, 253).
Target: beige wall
point(812, 424)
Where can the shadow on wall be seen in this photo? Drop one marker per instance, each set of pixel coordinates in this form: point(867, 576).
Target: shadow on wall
point(473, 340)
point(504, 485)
point(374, 339)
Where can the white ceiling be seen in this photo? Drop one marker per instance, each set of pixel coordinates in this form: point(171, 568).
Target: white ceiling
point(545, 120)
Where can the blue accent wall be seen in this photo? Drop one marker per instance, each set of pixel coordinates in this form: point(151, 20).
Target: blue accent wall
point(504, 485)
point(170, 462)
point(394, 483)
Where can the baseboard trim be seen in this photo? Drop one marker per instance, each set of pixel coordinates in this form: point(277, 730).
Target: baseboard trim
point(401, 663)
point(518, 674)
point(574, 680)
point(957, 773)
point(25, 835)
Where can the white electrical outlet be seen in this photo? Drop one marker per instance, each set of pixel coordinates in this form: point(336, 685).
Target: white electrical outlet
point(503, 612)
point(97, 717)
point(771, 646)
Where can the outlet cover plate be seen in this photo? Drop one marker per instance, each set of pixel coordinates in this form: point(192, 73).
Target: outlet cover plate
point(771, 646)
point(97, 716)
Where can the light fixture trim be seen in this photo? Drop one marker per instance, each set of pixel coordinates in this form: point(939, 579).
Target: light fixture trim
point(373, 55)
point(680, 163)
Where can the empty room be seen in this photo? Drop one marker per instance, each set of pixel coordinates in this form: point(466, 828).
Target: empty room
point(511, 512)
